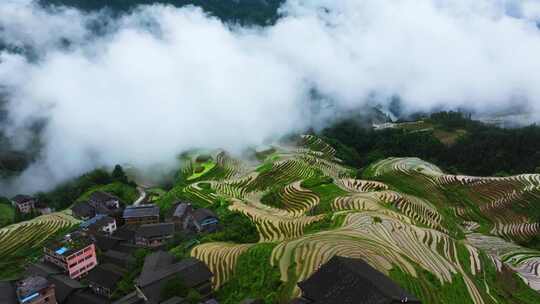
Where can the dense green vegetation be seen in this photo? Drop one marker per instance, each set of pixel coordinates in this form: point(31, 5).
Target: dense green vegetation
point(127, 193)
point(478, 150)
point(236, 228)
point(62, 196)
point(176, 288)
point(253, 278)
point(326, 192)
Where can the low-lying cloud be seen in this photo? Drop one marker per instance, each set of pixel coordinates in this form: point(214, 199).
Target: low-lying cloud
point(161, 79)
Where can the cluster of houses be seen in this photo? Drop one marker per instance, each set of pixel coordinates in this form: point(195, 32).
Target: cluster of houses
point(86, 266)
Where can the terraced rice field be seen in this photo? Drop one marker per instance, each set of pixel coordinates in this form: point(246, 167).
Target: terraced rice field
point(221, 258)
point(524, 261)
point(385, 244)
point(407, 215)
point(274, 225)
point(32, 233)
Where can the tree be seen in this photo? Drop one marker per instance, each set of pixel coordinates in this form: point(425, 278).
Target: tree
point(119, 175)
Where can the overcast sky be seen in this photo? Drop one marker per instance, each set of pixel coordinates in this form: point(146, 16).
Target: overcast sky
point(162, 79)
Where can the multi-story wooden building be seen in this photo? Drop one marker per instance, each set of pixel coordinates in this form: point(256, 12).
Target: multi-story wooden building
point(141, 214)
point(154, 235)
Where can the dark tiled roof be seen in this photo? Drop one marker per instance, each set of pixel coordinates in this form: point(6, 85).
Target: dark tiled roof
point(83, 209)
point(116, 257)
point(21, 198)
point(105, 242)
point(346, 280)
point(43, 269)
point(181, 209)
point(131, 298)
point(102, 197)
point(7, 293)
point(31, 285)
point(141, 211)
point(159, 265)
point(127, 247)
point(100, 223)
point(106, 275)
point(153, 263)
point(125, 232)
point(64, 286)
point(86, 297)
point(202, 213)
point(174, 300)
point(155, 230)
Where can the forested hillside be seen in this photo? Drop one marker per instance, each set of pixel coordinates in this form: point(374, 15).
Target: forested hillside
point(449, 139)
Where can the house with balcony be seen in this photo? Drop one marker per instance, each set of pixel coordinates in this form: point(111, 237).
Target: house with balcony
point(99, 203)
point(75, 254)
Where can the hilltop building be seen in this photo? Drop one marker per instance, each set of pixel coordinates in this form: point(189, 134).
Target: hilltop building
point(75, 254)
point(347, 280)
point(154, 235)
point(99, 203)
point(141, 214)
point(100, 199)
point(35, 290)
point(23, 203)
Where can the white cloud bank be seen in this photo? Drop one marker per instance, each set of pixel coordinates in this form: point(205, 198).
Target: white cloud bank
point(166, 79)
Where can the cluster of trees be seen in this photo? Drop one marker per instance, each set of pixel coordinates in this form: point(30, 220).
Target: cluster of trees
point(481, 150)
point(67, 193)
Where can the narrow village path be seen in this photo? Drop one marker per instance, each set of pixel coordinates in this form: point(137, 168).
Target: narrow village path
point(142, 196)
